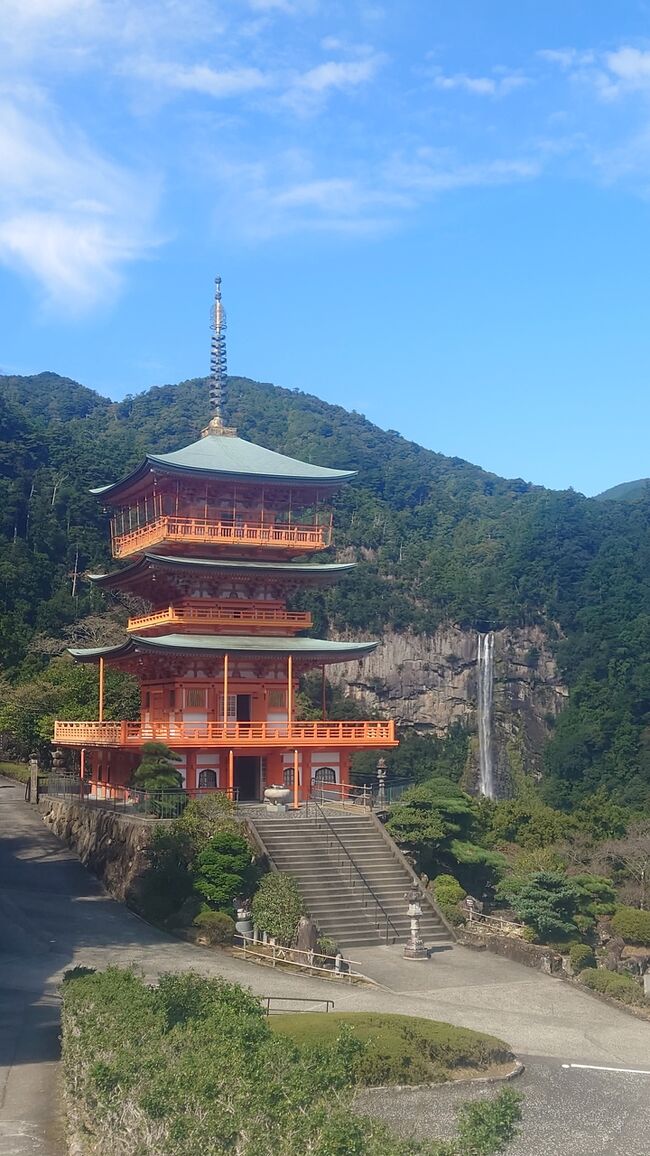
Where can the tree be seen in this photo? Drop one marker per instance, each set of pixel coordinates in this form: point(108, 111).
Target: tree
point(629, 858)
point(440, 825)
point(277, 906)
point(157, 772)
point(545, 901)
point(224, 869)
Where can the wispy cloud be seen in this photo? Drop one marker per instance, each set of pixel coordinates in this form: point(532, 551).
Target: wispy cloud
point(496, 85)
point(308, 89)
point(199, 78)
point(433, 171)
point(68, 217)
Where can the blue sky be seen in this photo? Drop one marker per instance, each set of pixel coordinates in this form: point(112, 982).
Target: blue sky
point(436, 212)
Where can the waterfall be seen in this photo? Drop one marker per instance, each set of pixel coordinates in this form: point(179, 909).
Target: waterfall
point(484, 713)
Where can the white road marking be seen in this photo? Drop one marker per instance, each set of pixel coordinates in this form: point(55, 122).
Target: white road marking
point(600, 1068)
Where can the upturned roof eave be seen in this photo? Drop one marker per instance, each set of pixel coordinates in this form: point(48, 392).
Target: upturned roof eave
point(157, 463)
point(150, 561)
point(317, 649)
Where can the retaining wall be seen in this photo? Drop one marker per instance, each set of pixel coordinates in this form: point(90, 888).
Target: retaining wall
point(112, 846)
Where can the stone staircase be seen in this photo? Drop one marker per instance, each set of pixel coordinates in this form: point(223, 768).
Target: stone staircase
point(333, 893)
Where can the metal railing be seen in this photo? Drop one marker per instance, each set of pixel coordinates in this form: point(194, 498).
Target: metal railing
point(372, 733)
point(356, 875)
point(126, 800)
point(172, 528)
point(363, 796)
point(311, 962)
point(495, 922)
point(268, 999)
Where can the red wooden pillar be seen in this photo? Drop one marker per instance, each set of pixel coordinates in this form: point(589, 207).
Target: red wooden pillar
point(190, 770)
point(296, 780)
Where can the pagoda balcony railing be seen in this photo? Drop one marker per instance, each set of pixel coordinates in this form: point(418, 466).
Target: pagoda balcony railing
point(194, 531)
point(373, 733)
point(222, 616)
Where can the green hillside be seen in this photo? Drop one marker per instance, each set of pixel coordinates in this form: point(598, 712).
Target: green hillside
point(626, 491)
point(437, 540)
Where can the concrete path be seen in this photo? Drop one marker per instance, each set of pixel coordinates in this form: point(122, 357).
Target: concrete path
point(54, 915)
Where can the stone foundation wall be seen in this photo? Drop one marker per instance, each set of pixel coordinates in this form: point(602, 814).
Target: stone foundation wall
point(113, 847)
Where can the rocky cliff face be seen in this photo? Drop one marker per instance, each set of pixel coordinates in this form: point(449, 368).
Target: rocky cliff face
point(430, 683)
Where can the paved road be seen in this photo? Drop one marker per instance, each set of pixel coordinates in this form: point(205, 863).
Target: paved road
point(54, 915)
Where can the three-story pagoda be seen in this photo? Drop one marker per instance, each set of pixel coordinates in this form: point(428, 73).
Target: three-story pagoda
point(216, 537)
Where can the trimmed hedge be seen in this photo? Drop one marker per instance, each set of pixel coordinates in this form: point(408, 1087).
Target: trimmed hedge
point(192, 1066)
point(633, 925)
point(621, 987)
point(218, 927)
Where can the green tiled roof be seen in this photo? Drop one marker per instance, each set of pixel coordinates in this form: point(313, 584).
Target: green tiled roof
point(320, 649)
point(307, 572)
point(232, 457)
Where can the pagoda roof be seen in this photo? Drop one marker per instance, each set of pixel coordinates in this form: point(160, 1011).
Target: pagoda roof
point(307, 572)
point(319, 649)
point(220, 456)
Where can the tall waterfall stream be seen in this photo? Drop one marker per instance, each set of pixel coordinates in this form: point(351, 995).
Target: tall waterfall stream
point(484, 713)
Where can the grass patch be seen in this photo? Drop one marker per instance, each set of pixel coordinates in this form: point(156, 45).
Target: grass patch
point(400, 1049)
point(18, 771)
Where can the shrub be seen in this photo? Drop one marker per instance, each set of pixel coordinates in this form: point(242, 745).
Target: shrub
point(207, 815)
point(633, 925)
point(580, 957)
point(277, 907)
point(224, 869)
point(446, 889)
point(584, 923)
point(621, 987)
point(219, 928)
point(193, 1066)
point(452, 914)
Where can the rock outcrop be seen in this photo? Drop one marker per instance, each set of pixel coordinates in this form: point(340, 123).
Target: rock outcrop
point(430, 683)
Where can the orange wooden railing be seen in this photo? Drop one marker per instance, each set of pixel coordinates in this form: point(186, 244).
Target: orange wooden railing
point(202, 530)
point(222, 616)
point(241, 734)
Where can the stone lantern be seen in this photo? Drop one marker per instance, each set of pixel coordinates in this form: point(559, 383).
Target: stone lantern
point(415, 948)
point(382, 771)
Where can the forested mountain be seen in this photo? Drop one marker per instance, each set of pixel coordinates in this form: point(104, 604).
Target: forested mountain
point(626, 491)
point(438, 540)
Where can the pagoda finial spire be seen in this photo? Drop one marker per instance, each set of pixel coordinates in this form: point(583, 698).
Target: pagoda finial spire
point(218, 354)
point(218, 367)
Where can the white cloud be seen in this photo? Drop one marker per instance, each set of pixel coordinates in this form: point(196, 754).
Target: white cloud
point(567, 58)
point(197, 77)
point(307, 91)
point(498, 85)
point(431, 172)
point(630, 67)
point(340, 74)
point(69, 218)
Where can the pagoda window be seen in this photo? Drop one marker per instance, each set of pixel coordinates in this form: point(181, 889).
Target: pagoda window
point(208, 778)
point(239, 707)
point(325, 775)
point(196, 697)
point(232, 707)
point(277, 699)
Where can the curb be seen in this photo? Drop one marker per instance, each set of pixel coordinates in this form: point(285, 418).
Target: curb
point(518, 1070)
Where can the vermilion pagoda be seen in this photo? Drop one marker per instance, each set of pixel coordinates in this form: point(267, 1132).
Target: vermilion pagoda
point(217, 535)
